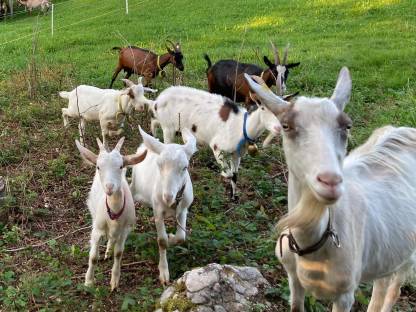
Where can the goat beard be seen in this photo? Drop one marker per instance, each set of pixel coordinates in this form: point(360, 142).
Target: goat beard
point(307, 212)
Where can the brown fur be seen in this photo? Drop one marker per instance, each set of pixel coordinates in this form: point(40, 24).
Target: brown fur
point(141, 62)
point(289, 119)
point(131, 94)
point(226, 109)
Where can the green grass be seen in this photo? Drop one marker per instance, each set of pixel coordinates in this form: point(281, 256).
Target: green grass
point(47, 183)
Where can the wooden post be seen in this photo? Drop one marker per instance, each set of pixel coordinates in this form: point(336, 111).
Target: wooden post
point(127, 7)
point(11, 7)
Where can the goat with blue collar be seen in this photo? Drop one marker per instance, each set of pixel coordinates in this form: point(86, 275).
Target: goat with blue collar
point(215, 121)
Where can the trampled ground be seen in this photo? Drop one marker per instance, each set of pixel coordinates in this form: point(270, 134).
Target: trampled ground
point(47, 183)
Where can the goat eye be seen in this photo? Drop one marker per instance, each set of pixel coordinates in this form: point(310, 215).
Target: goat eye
point(285, 127)
point(121, 167)
point(98, 168)
point(184, 169)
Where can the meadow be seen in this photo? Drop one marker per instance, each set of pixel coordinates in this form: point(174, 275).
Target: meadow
point(44, 222)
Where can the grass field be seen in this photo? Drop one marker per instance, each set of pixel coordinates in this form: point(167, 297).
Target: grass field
point(47, 183)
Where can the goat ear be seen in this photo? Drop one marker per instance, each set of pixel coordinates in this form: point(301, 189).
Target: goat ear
point(119, 144)
point(151, 143)
point(86, 154)
point(273, 102)
point(128, 82)
point(139, 80)
point(190, 142)
point(342, 92)
point(291, 65)
point(267, 61)
point(134, 159)
point(149, 90)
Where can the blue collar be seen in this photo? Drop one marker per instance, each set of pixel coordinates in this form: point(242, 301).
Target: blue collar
point(245, 138)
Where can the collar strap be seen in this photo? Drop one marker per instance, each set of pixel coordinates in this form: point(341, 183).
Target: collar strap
point(179, 195)
point(295, 248)
point(120, 110)
point(245, 138)
point(161, 70)
point(112, 215)
point(158, 63)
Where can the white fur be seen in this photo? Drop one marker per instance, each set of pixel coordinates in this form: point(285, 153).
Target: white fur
point(109, 184)
point(371, 196)
point(184, 107)
point(156, 182)
point(91, 103)
point(33, 4)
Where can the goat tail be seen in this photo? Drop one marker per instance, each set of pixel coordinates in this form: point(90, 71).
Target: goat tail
point(206, 57)
point(116, 48)
point(64, 94)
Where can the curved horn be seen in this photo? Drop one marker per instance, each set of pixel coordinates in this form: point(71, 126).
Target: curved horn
point(285, 54)
point(171, 43)
point(273, 102)
point(275, 53)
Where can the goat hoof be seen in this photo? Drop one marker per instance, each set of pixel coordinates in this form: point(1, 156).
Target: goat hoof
point(114, 289)
point(164, 279)
point(89, 283)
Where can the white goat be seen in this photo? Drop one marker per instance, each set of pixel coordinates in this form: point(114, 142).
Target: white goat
point(33, 4)
point(215, 121)
point(106, 105)
point(349, 220)
point(111, 205)
point(162, 180)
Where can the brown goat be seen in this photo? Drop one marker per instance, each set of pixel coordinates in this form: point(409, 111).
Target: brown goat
point(145, 62)
point(226, 77)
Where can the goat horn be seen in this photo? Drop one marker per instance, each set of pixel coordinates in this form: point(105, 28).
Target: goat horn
point(285, 55)
point(275, 53)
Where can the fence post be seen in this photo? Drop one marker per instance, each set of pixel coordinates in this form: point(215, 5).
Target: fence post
point(11, 7)
point(52, 12)
point(127, 7)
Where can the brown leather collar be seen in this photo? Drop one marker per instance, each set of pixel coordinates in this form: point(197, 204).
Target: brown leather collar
point(295, 248)
point(179, 196)
point(112, 215)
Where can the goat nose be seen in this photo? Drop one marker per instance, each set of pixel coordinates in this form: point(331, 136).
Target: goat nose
point(109, 187)
point(168, 198)
point(329, 179)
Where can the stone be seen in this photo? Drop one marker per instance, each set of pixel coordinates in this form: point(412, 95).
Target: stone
point(218, 288)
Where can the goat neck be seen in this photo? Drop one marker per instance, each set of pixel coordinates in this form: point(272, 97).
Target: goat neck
point(164, 60)
point(268, 77)
point(116, 201)
point(254, 125)
point(302, 201)
point(126, 105)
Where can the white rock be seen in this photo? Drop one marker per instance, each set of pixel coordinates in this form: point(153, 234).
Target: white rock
point(220, 288)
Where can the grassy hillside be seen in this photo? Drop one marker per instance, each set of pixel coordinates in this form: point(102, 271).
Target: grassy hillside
point(47, 183)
